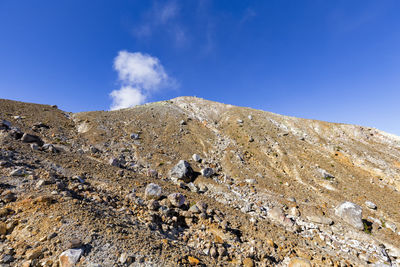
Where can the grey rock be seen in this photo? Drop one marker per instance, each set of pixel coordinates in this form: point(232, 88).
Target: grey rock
point(50, 148)
point(114, 162)
point(350, 213)
point(176, 199)
point(320, 219)
point(34, 146)
point(30, 138)
point(18, 172)
point(152, 191)
point(202, 206)
point(135, 136)
point(207, 172)
point(370, 205)
point(5, 125)
point(182, 171)
point(194, 209)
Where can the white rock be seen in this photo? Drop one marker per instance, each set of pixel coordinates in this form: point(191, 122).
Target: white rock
point(196, 157)
point(70, 257)
point(350, 213)
point(370, 205)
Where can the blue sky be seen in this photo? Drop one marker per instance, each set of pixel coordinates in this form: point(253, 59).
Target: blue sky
point(337, 61)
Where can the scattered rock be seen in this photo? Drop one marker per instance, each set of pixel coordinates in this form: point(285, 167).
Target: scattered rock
point(196, 157)
point(30, 138)
point(350, 213)
point(74, 243)
point(320, 219)
point(176, 199)
point(370, 205)
point(33, 253)
point(248, 262)
point(207, 172)
point(135, 136)
point(299, 262)
point(18, 172)
point(193, 261)
point(70, 257)
point(152, 191)
point(182, 171)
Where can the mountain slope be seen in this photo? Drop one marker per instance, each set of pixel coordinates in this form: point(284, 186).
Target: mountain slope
point(273, 198)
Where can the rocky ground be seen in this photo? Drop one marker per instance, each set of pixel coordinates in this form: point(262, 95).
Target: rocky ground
point(191, 182)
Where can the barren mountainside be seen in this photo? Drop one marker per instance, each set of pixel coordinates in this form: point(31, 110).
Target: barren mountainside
point(190, 182)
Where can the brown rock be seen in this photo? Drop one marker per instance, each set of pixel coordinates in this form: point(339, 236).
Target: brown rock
point(248, 262)
point(299, 262)
point(193, 261)
point(33, 253)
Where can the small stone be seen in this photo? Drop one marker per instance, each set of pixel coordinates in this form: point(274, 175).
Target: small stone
point(152, 191)
point(196, 157)
point(193, 261)
point(370, 205)
point(34, 146)
point(202, 206)
point(239, 121)
point(251, 181)
point(276, 213)
point(152, 173)
point(194, 209)
point(134, 136)
point(18, 172)
point(153, 205)
point(70, 257)
point(391, 226)
point(182, 122)
point(3, 228)
point(207, 172)
point(248, 262)
point(320, 219)
point(213, 252)
point(176, 199)
point(114, 162)
point(74, 243)
point(33, 253)
point(7, 258)
point(350, 213)
point(250, 117)
point(299, 262)
point(193, 187)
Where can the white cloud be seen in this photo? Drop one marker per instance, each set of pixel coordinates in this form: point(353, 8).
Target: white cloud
point(140, 75)
point(126, 97)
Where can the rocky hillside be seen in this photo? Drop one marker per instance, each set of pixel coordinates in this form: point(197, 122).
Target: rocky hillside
point(191, 182)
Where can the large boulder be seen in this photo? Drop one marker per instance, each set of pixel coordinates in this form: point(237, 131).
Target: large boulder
point(182, 171)
point(350, 213)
